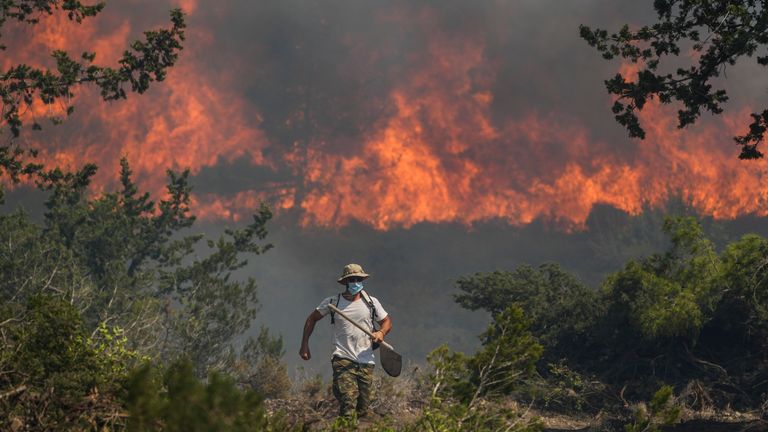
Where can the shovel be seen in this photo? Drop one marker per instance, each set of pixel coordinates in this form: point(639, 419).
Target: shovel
point(391, 361)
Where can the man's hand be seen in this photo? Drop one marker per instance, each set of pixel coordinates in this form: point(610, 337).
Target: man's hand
point(378, 336)
point(309, 327)
point(304, 353)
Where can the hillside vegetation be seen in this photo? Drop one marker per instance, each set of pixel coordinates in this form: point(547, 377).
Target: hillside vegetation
point(111, 318)
point(114, 316)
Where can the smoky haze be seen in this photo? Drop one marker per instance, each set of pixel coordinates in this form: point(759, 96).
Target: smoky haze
point(413, 271)
point(423, 140)
point(424, 112)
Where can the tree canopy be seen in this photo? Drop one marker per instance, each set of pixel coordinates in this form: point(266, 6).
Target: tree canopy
point(690, 316)
point(557, 303)
point(719, 33)
point(22, 85)
point(104, 283)
point(110, 303)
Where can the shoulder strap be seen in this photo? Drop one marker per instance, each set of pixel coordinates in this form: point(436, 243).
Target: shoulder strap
point(367, 299)
point(333, 318)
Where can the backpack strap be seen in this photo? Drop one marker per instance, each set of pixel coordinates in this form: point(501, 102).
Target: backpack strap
point(367, 299)
point(333, 318)
point(369, 302)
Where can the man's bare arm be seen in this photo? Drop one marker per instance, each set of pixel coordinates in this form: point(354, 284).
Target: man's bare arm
point(386, 326)
point(309, 327)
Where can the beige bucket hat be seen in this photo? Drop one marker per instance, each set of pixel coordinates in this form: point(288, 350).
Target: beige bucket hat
point(351, 270)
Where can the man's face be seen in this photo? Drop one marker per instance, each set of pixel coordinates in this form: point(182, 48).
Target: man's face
point(354, 284)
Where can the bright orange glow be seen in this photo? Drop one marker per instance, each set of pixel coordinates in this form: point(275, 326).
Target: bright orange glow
point(438, 156)
point(184, 122)
point(188, 6)
point(440, 159)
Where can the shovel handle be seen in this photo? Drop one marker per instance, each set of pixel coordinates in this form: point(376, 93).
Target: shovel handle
point(368, 332)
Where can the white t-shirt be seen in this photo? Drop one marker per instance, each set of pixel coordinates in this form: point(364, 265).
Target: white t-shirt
point(349, 341)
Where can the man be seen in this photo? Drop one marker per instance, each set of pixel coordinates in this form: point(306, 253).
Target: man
point(352, 359)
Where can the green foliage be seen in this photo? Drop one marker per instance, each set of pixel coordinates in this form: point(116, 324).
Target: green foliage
point(105, 282)
point(559, 307)
point(32, 262)
point(446, 416)
point(176, 400)
point(344, 424)
point(53, 347)
point(745, 271)
point(22, 85)
point(509, 353)
point(61, 377)
point(670, 295)
point(448, 373)
point(124, 259)
point(269, 377)
point(719, 33)
point(464, 388)
point(146, 61)
point(660, 312)
point(655, 306)
point(568, 390)
point(663, 411)
point(441, 417)
point(111, 348)
point(120, 283)
point(689, 314)
point(215, 308)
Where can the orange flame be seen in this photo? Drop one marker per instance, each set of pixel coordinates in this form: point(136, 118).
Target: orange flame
point(471, 171)
point(184, 122)
point(441, 156)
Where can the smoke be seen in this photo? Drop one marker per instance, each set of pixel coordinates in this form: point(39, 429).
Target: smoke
point(442, 112)
point(424, 140)
point(413, 271)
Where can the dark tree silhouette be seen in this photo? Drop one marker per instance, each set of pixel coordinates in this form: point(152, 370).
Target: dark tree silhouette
point(21, 85)
point(719, 32)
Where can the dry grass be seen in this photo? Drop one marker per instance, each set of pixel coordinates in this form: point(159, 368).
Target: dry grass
point(400, 401)
point(397, 401)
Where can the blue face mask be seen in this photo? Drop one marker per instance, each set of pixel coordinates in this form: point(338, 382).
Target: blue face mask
point(354, 287)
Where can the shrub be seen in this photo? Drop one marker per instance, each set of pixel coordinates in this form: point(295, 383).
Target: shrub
point(176, 400)
point(663, 410)
point(60, 378)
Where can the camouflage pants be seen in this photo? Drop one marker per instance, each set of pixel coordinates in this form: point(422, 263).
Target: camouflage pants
point(352, 386)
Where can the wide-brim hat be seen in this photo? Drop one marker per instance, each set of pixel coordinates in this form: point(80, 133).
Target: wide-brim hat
point(352, 270)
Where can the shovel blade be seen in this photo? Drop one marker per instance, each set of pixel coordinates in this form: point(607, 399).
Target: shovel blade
point(391, 361)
